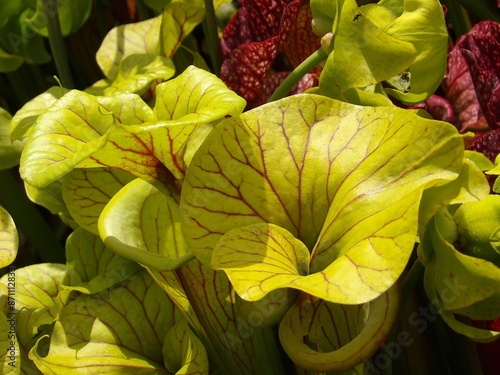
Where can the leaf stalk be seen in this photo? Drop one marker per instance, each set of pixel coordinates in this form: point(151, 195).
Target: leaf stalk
point(212, 34)
point(50, 7)
point(300, 71)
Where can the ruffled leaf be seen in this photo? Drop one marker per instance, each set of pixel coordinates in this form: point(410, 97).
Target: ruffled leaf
point(23, 120)
point(37, 297)
point(117, 330)
point(200, 98)
point(135, 74)
point(364, 53)
point(250, 253)
point(325, 337)
point(328, 173)
point(142, 224)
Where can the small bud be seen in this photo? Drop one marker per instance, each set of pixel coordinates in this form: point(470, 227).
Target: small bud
point(327, 42)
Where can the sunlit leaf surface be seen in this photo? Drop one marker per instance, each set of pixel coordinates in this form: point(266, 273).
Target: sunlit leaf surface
point(9, 240)
point(344, 180)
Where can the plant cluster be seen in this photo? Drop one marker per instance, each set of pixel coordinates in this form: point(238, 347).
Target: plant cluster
point(253, 187)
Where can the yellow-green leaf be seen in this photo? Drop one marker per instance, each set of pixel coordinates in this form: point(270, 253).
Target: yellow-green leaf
point(260, 258)
point(338, 337)
point(183, 352)
point(9, 240)
point(98, 267)
point(344, 180)
point(142, 224)
point(125, 40)
point(118, 330)
point(87, 191)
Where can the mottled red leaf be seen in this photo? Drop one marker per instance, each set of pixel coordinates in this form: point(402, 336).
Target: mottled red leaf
point(481, 50)
point(256, 21)
point(251, 42)
point(488, 144)
point(460, 92)
point(301, 41)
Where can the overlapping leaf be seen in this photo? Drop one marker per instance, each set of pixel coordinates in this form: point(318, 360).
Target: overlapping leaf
point(135, 73)
point(37, 298)
point(98, 267)
point(184, 106)
point(462, 280)
point(125, 40)
point(411, 34)
point(67, 133)
point(142, 224)
point(345, 180)
point(207, 296)
point(422, 24)
point(358, 60)
point(207, 302)
point(259, 258)
point(118, 330)
point(18, 43)
point(51, 198)
point(87, 191)
point(469, 186)
point(476, 334)
point(183, 352)
point(24, 119)
point(79, 125)
point(328, 337)
point(161, 36)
